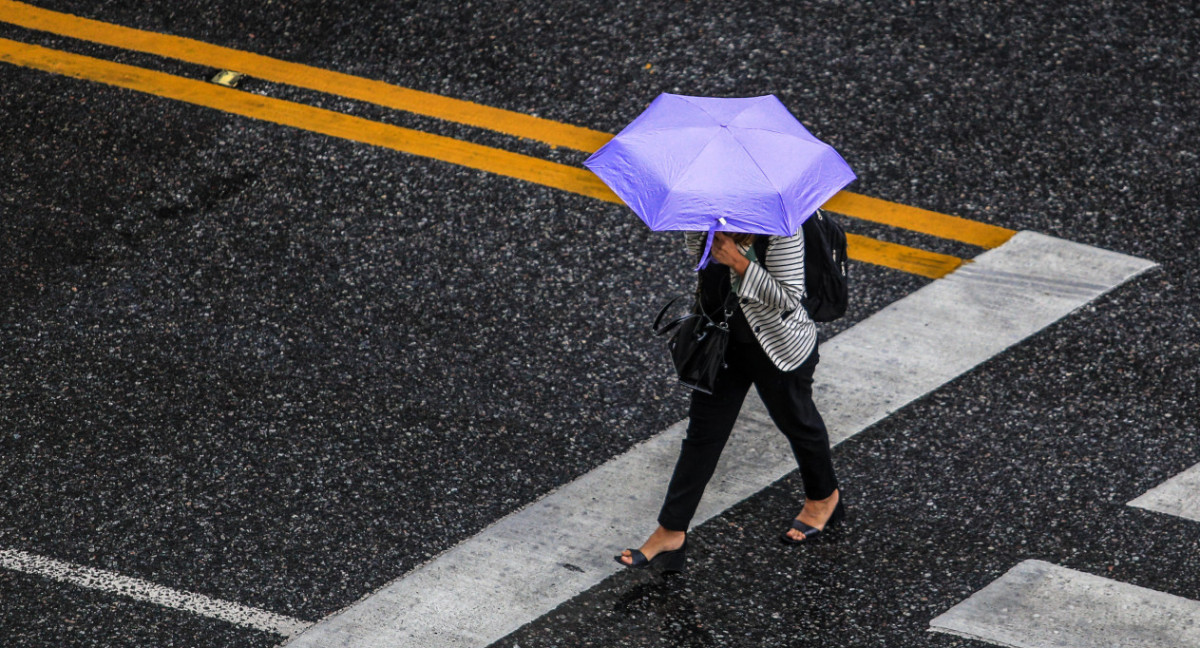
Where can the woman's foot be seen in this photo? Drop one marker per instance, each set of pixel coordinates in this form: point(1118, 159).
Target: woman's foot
point(816, 514)
point(661, 540)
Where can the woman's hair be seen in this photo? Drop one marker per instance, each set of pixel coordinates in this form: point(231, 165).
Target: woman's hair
point(742, 238)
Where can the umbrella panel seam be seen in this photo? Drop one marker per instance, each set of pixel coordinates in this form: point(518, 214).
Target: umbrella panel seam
point(778, 191)
point(688, 99)
point(686, 167)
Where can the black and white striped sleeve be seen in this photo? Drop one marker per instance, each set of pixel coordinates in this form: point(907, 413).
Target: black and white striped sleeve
point(781, 287)
point(695, 243)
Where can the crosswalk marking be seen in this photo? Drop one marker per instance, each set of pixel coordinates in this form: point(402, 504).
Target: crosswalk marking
point(1040, 605)
point(524, 565)
point(1179, 496)
point(140, 590)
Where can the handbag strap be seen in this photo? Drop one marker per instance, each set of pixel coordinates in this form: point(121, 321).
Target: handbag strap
point(729, 307)
point(669, 326)
point(730, 300)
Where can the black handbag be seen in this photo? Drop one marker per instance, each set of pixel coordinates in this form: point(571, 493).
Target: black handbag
point(698, 344)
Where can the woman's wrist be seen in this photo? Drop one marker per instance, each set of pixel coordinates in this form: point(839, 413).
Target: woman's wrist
point(743, 264)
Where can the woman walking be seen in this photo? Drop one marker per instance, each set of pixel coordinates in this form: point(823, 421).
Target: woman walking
point(772, 345)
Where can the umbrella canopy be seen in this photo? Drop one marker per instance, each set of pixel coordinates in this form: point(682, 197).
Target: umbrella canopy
point(711, 164)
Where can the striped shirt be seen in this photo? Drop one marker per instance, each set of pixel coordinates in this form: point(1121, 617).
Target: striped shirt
point(770, 297)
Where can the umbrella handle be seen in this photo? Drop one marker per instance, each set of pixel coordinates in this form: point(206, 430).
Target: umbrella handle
point(705, 256)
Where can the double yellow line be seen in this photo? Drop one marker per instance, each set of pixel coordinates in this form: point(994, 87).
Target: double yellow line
point(523, 167)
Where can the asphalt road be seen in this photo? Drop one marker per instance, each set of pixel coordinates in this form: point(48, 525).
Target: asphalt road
point(282, 369)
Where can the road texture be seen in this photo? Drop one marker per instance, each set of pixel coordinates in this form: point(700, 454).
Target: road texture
point(283, 369)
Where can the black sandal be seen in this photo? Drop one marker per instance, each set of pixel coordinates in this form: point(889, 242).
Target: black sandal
point(668, 562)
point(839, 514)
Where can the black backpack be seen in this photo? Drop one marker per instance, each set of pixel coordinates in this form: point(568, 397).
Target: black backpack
point(826, 272)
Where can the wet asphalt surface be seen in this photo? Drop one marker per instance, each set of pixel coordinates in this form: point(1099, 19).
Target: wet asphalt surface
point(281, 369)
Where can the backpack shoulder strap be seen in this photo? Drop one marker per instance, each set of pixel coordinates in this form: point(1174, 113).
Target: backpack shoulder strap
point(760, 248)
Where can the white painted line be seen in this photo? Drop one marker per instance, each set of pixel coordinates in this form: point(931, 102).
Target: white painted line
point(528, 563)
point(1040, 605)
point(106, 581)
point(1179, 495)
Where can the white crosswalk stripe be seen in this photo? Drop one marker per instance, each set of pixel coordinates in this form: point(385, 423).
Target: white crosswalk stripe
point(531, 561)
point(1040, 605)
point(1179, 496)
point(140, 590)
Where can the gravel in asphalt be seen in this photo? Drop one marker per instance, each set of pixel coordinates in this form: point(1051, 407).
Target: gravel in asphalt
point(280, 369)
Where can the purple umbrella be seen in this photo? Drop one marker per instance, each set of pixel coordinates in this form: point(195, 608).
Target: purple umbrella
point(730, 165)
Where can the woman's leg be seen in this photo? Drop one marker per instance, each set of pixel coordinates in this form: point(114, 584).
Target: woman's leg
point(788, 399)
point(710, 421)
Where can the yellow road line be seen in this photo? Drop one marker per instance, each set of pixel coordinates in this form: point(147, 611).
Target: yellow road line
point(319, 120)
point(445, 108)
point(900, 257)
point(918, 220)
point(335, 124)
point(303, 76)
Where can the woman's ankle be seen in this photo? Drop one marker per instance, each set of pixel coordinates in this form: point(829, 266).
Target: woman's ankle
point(663, 529)
point(663, 535)
point(831, 499)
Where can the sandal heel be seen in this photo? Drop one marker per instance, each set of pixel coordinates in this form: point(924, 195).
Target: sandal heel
point(839, 514)
point(674, 562)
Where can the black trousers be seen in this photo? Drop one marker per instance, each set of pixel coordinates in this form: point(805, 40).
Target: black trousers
point(788, 398)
